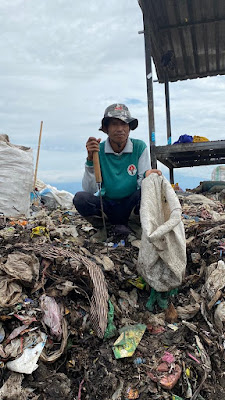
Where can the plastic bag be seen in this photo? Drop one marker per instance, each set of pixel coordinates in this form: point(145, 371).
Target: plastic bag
point(218, 174)
point(53, 198)
point(16, 178)
point(27, 363)
point(184, 139)
point(52, 315)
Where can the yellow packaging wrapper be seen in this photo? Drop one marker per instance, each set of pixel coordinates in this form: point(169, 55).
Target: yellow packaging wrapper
point(39, 231)
point(127, 342)
point(138, 282)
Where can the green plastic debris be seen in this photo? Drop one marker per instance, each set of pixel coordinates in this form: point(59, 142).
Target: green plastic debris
point(138, 282)
point(160, 298)
point(127, 342)
point(174, 397)
point(111, 329)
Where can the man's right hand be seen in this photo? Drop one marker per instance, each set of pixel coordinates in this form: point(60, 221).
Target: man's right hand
point(91, 146)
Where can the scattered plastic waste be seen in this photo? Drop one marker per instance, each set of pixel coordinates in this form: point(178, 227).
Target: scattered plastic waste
point(27, 363)
point(39, 231)
point(132, 394)
point(173, 327)
point(2, 333)
point(121, 243)
point(127, 342)
point(111, 329)
point(168, 357)
point(138, 282)
point(80, 277)
point(155, 330)
point(139, 361)
point(194, 358)
point(52, 315)
point(169, 380)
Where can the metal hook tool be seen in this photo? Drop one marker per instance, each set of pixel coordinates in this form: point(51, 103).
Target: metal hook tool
point(98, 177)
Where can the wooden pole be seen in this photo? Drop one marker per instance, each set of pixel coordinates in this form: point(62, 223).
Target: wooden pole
point(149, 81)
point(168, 120)
point(38, 152)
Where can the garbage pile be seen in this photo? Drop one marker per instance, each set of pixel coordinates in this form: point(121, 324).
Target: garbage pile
point(73, 316)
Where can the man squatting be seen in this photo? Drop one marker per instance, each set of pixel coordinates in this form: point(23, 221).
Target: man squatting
point(124, 163)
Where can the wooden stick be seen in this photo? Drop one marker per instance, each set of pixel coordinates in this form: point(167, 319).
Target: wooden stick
point(97, 169)
point(38, 152)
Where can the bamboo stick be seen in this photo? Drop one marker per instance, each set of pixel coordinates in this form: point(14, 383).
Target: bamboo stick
point(38, 152)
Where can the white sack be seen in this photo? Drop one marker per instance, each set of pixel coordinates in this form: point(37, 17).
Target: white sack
point(16, 178)
point(162, 255)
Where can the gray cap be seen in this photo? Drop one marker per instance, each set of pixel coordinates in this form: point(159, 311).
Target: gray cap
point(119, 111)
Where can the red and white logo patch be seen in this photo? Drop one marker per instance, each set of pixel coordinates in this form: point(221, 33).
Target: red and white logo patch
point(131, 169)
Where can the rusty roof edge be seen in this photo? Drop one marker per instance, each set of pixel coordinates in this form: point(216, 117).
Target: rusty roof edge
point(201, 63)
point(193, 76)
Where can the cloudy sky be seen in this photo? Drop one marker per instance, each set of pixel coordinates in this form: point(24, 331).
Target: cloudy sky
point(65, 61)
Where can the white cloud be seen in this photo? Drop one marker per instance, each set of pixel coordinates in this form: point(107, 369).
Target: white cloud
point(64, 62)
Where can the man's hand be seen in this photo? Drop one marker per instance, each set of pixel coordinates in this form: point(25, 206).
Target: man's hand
point(91, 146)
point(152, 171)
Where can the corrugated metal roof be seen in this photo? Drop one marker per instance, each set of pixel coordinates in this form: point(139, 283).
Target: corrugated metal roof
point(187, 37)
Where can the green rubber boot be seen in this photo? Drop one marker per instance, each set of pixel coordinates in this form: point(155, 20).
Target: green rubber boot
point(160, 298)
point(151, 300)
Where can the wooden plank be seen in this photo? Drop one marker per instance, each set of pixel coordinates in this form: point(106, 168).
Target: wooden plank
point(189, 163)
point(190, 147)
point(193, 155)
point(166, 162)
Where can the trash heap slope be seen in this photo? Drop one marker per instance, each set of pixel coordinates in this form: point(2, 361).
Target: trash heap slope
point(64, 302)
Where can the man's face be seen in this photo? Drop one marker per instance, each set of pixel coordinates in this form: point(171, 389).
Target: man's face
point(118, 131)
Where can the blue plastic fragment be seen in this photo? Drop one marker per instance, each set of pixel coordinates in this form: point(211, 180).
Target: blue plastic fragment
point(139, 360)
point(27, 300)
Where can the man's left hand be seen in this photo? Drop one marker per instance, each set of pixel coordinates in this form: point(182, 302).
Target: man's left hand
point(152, 171)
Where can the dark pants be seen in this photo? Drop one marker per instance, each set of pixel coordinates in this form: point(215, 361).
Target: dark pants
point(117, 211)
